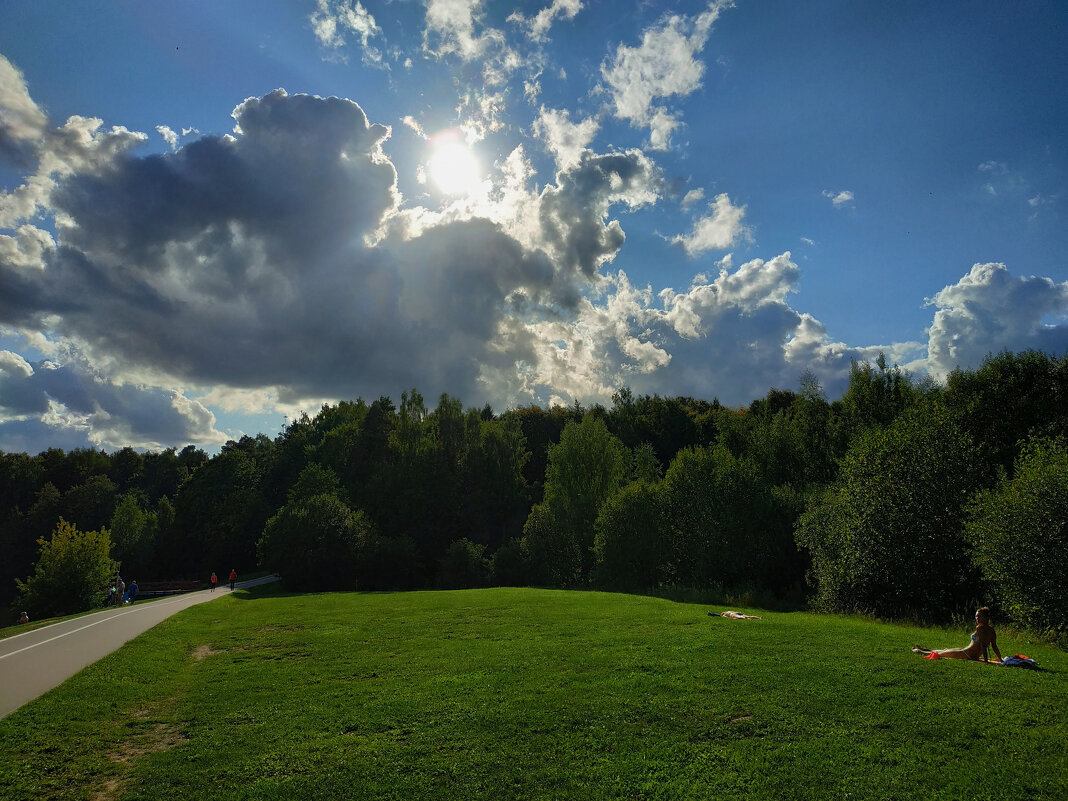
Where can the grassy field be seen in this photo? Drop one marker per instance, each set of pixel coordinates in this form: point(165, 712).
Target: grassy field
point(516, 693)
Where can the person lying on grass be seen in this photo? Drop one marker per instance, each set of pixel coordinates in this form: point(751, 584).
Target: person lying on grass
point(983, 637)
point(735, 615)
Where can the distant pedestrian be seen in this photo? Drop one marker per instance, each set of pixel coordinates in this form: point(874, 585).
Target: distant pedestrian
point(214, 580)
point(233, 578)
point(24, 618)
point(120, 590)
point(132, 590)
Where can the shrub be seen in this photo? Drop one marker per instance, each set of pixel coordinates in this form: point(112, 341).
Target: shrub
point(509, 566)
point(727, 525)
point(314, 543)
point(463, 566)
point(631, 538)
point(1020, 534)
point(73, 570)
point(887, 538)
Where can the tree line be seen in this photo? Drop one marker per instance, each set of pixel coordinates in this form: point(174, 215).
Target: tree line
point(903, 498)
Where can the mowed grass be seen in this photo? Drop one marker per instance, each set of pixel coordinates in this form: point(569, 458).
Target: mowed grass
point(523, 693)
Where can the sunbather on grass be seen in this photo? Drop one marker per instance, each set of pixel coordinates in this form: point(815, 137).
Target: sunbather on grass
point(983, 638)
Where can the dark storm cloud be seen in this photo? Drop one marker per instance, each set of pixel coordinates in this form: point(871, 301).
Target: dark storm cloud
point(573, 212)
point(75, 404)
point(247, 260)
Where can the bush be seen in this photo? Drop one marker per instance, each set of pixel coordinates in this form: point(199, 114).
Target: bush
point(509, 566)
point(463, 566)
point(887, 538)
point(728, 527)
point(555, 556)
point(631, 538)
point(314, 544)
point(1020, 534)
point(73, 570)
point(389, 563)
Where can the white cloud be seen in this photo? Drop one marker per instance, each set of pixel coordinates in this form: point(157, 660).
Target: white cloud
point(277, 265)
point(481, 113)
point(27, 248)
point(664, 65)
point(169, 136)
point(990, 310)
point(719, 230)
point(71, 403)
point(537, 27)
point(838, 198)
point(332, 18)
point(565, 139)
point(14, 364)
point(411, 122)
point(692, 197)
point(454, 27)
point(22, 123)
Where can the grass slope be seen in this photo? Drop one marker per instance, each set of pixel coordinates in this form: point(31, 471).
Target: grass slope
point(519, 693)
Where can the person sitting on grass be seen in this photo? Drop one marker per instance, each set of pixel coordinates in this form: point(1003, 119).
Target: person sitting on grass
point(24, 618)
point(983, 637)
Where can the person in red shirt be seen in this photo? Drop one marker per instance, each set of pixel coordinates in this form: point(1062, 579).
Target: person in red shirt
point(233, 578)
point(214, 580)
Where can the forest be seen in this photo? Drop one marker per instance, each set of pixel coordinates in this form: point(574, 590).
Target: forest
point(904, 499)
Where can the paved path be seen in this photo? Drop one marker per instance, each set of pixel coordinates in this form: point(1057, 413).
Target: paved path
point(35, 662)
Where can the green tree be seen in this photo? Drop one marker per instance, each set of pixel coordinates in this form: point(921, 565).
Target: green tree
point(887, 537)
point(129, 526)
point(1010, 398)
point(220, 512)
point(494, 492)
point(631, 542)
point(91, 503)
point(586, 467)
point(315, 543)
point(509, 565)
point(72, 571)
point(727, 526)
point(464, 565)
point(1020, 534)
point(876, 395)
point(645, 467)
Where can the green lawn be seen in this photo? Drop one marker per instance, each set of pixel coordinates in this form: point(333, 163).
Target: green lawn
point(517, 693)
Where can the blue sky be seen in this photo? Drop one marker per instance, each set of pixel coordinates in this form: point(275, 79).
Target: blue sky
point(217, 214)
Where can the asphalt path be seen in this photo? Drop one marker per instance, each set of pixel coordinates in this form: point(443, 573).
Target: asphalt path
point(35, 662)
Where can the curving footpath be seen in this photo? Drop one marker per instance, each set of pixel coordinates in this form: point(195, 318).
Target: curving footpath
point(35, 662)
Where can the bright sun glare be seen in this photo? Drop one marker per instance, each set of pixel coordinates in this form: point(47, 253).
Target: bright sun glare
point(453, 168)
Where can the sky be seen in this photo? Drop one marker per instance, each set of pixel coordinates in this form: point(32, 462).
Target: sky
point(214, 216)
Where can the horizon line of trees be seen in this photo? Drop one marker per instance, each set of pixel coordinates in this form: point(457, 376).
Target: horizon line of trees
point(903, 498)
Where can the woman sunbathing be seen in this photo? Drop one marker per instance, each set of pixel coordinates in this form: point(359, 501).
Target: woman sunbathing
point(983, 638)
point(736, 615)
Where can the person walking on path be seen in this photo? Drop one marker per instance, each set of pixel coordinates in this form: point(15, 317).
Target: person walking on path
point(214, 580)
point(233, 578)
point(132, 590)
point(120, 591)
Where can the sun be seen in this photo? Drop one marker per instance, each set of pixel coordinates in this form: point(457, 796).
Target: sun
point(453, 167)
